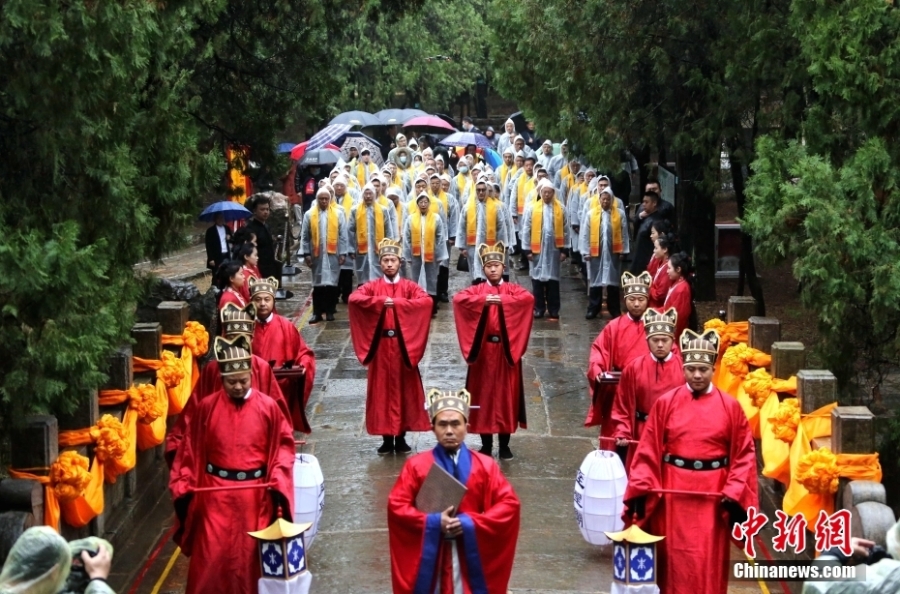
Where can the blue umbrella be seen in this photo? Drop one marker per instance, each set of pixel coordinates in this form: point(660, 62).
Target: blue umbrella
point(285, 147)
point(493, 158)
point(327, 135)
point(467, 138)
point(232, 211)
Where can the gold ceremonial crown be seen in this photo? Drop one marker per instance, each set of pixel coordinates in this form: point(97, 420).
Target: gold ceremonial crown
point(492, 253)
point(233, 356)
point(263, 285)
point(699, 348)
point(237, 321)
point(437, 401)
point(388, 247)
point(657, 323)
point(636, 285)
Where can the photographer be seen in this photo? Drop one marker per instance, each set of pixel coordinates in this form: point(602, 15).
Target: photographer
point(42, 562)
point(882, 571)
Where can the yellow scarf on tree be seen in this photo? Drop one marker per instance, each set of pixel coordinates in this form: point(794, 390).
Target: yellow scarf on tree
point(615, 221)
point(490, 214)
point(331, 238)
point(430, 233)
point(524, 186)
point(537, 224)
point(362, 227)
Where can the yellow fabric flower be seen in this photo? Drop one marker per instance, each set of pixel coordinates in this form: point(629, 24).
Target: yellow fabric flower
point(145, 399)
point(110, 438)
point(786, 420)
point(172, 370)
point(70, 475)
point(758, 386)
point(735, 359)
point(818, 472)
point(714, 324)
point(196, 338)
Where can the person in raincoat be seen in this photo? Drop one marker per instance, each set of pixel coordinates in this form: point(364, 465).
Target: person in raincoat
point(324, 248)
point(425, 246)
point(368, 224)
point(603, 242)
point(41, 561)
point(545, 241)
point(484, 220)
point(346, 200)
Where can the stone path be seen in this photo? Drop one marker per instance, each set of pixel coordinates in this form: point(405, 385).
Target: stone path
point(350, 554)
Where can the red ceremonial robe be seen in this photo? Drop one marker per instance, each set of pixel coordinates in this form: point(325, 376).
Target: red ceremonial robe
point(643, 381)
point(679, 297)
point(660, 285)
point(390, 341)
point(246, 435)
point(617, 345)
point(489, 513)
point(229, 295)
point(493, 340)
point(278, 342)
point(210, 382)
point(697, 529)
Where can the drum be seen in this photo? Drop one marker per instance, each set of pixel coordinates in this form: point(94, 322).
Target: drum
point(309, 494)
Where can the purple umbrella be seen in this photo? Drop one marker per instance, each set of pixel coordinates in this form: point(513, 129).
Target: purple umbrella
point(467, 138)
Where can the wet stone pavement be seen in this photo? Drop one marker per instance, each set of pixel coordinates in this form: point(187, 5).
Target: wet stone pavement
point(350, 554)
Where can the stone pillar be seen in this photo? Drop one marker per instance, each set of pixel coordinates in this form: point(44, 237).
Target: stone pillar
point(764, 332)
point(147, 340)
point(852, 430)
point(788, 358)
point(120, 369)
point(37, 442)
point(741, 309)
point(815, 389)
point(85, 414)
point(173, 316)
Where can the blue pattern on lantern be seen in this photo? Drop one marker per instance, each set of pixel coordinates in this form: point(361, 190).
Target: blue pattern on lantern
point(273, 559)
point(642, 564)
point(619, 562)
point(296, 558)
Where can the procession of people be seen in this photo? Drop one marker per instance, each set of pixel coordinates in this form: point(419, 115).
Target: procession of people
point(382, 240)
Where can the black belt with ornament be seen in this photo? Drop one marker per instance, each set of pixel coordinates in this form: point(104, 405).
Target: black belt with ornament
point(691, 464)
point(389, 333)
point(235, 475)
point(640, 416)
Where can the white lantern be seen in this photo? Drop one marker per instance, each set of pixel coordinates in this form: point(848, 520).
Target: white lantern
point(599, 494)
point(309, 494)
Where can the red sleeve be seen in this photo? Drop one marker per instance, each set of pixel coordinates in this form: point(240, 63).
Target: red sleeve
point(413, 319)
point(680, 299)
point(468, 309)
point(518, 317)
point(366, 312)
point(281, 457)
point(623, 404)
point(304, 356)
point(659, 288)
point(497, 530)
point(406, 529)
point(741, 483)
point(645, 473)
point(601, 352)
point(204, 387)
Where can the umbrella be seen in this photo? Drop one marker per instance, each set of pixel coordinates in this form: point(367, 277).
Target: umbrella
point(448, 119)
point(327, 135)
point(323, 156)
point(362, 142)
point(493, 158)
point(298, 151)
point(356, 118)
point(397, 117)
point(354, 134)
point(429, 124)
point(232, 211)
point(286, 147)
point(467, 138)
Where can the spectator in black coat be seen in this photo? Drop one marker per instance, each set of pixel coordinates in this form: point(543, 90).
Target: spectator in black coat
point(265, 243)
point(642, 249)
point(218, 242)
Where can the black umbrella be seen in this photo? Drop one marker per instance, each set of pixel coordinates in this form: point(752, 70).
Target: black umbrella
point(449, 120)
point(355, 118)
point(397, 117)
point(519, 120)
point(319, 157)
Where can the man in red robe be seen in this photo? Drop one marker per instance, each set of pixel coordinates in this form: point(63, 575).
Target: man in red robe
point(232, 474)
point(646, 378)
point(620, 342)
point(277, 340)
point(235, 322)
point(469, 549)
point(697, 438)
point(389, 322)
point(493, 323)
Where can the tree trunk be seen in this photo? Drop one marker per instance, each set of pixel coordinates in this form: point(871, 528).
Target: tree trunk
point(696, 223)
point(747, 270)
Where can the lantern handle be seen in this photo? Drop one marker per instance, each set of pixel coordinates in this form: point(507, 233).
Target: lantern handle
point(613, 439)
point(301, 443)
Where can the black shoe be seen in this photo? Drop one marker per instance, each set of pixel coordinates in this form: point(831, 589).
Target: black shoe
point(444, 298)
point(400, 446)
point(506, 453)
point(329, 317)
point(486, 450)
point(315, 320)
point(387, 447)
point(590, 315)
point(538, 315)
